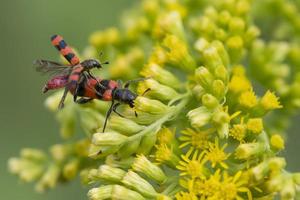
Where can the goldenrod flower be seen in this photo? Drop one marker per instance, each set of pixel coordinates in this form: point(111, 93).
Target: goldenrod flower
point(217, 155)
point(194, 166)
point(255, 125)
point(195, 139)
point(269, 101)
point(248, 99)
point(277, 142)
point(238, 131)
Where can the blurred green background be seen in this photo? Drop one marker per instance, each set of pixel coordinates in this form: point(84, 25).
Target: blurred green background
point(25, 28)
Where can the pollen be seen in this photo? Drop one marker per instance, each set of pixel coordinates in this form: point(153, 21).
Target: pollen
point(193, 166)
point(216, 155)
point(269, 101)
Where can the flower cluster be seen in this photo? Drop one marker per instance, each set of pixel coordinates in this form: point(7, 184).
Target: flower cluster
point(201, 131)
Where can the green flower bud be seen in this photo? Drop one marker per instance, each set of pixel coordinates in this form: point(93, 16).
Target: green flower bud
point(49, 178)
point(129, 148)
point(109, 36)
point(201, 44)
point(108, 173)
point(296, 178)
point(115, 161)
point(143, 165)
point(235, 45)
point(33, 154)
point(198, 92)
point(100, 193)
point(210, 101)
point(199, 117)
point(236, 25)
point(147, 143)
point(204, 77)
point(158, 91)
point(211, 58)
point(161, 75)
point(221, 73)
point(219, 89)
point(134, 181)
point(60, 152)
point(96, 151)
point(224, 18)
point(222, 52)
point(248, 150)
point(122, 193)
point(108, 139)
point(123, 125)
point(150, 106)
point(70, 170)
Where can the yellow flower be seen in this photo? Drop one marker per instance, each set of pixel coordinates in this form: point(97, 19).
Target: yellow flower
point(239, 84)
point(197, 139)
point(164, 154)
point(255, 125)
point(185, 196)
point(216, 155)
point(231, 186)
point(248, 99)
point(277, 142)
point(220, 187)
point(193, 166)
point(165, 135)
point(269, 101)
point(238, 131)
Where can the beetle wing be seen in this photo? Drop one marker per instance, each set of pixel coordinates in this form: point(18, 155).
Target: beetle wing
point(50, 67)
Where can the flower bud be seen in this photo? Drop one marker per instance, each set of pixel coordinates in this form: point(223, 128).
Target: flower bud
point(90, 120)
point(100, 193)
point(100, 39)
point(129, 148)
point(277, 142)
point(70, 170)
point(122, 193)
point(49, 178)
point(134, 181)
point(199, 117)
point(108, 173)
point(236, 25)
point(158, 91)
point(221, 73)
point(219, 89)
point(161, 75)
point(210, 101)
point(33, 154)
point(201, 44)
point(115, 161)
point(108, 139)
point(204, 77)
point(150, 106)
point(255, 125)
point(147, 143)
point(96, 151)
point(248, 150)
point(123, 125)
point(60, 152)
point(164, 154)
point(222, 52)
point(178, 54)
point(169, 23)
point(211, 58)
point(143, 165)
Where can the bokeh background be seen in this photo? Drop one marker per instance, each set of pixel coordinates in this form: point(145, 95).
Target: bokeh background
point(25, 28)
